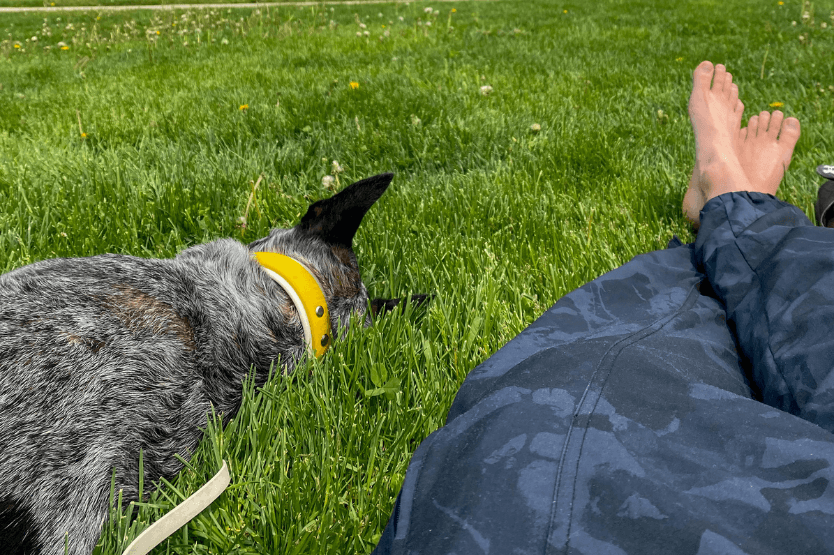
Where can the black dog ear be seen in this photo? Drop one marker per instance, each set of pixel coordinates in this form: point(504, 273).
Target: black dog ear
point(383, 306)
point(335, 220)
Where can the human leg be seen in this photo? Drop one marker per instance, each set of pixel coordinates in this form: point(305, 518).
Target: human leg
point(619, 422)
point(773, 270)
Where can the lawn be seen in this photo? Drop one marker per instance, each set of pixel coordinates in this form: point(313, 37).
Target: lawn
point(536, 145)
point(105, 3)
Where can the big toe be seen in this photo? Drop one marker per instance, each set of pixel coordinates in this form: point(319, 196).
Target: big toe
point(788, 138)
point(702, 76)
point(790, 132)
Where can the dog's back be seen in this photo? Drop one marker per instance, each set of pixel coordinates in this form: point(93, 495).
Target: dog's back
point(102, 356)
point(105, 355)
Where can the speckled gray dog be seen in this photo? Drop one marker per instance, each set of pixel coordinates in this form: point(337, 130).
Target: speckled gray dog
point(102, 356)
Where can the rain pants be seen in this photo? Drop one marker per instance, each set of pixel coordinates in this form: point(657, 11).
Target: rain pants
point(682, 403)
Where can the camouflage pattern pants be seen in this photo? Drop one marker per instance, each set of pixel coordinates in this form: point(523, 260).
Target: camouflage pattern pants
point(682, 403)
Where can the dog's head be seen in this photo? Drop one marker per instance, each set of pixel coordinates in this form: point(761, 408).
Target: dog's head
point(323, 241)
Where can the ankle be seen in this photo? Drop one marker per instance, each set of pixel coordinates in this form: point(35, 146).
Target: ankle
point(724, 176)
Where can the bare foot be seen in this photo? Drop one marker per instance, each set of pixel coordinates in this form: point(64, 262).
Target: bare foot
point(765, 148)
point(715, 112)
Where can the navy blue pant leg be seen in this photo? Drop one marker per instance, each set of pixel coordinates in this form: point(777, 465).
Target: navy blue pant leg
point(623, 421)
point(774, 271)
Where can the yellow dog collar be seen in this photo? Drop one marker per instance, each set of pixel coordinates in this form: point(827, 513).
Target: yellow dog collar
point(306, 294)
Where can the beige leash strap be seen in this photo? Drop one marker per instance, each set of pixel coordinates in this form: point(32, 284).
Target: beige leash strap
point(181, 514)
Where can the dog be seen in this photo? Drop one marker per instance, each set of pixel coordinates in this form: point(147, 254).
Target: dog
point(106, 355)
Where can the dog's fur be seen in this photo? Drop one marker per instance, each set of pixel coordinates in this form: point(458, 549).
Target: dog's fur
point(102, 356)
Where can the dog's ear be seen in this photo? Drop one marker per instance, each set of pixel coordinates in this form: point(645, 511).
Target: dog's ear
point(383, 306)
point(335, 220)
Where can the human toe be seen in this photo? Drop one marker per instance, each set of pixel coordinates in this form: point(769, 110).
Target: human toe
point(729, 86)
point(775, 124)
point(790, 132)
point(752, 127)
point(738, 113)
point(720, 77)
point(764, 121)
point(702, 76)
point(733, 93)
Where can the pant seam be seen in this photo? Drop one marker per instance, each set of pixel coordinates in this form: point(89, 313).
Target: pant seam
point(600, 375)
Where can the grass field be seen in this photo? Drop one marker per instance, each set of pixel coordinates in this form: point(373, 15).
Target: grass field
point(106, 3)
point(536, 146)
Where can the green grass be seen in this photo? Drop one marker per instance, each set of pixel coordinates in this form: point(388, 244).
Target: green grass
point(105, 3)
point(497, 220)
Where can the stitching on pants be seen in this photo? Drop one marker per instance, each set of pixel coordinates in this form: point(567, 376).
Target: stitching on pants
point(563, 500)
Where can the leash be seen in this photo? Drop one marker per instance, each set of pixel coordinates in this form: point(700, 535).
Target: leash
point(181, 514)
point(307, 296)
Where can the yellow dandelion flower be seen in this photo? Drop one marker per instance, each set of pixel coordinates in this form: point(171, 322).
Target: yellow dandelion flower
point(65, 48)
point(83, 135)
point(566, 11)
point(354, 85)
point(679, 59)
point(157, 32)
point(776, 104)
point(244, 107)
point(454, 10)
point(17, 46)
point(781, 3)
point(52, 3)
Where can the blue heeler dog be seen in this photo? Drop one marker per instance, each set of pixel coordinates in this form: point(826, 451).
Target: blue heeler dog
point(105, 355)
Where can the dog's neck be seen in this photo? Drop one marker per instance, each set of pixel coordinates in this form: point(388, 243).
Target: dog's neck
point(307, 295)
